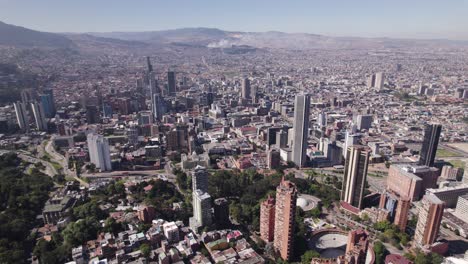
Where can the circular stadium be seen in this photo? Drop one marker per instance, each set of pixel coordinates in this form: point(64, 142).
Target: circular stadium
point(330, 243)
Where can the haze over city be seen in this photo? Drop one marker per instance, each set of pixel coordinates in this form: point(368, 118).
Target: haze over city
point(250, 132)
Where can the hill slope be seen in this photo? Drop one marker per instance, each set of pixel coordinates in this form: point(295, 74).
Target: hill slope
point(11, 35)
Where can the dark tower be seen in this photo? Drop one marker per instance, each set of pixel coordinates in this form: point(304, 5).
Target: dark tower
point(429, 145)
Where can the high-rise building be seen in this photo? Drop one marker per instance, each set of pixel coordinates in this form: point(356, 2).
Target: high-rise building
point(281, 139)
point(201, 210)
point(411, 181)
point(47, 101)
point(22, 116)
point(158, 106)
point(246, 91)
point(429, 218)
point(274, 159)
point(429, 145)
point(146, 214)
point(322, 119)
point(371, 81)
point(401, 215)
point(379, 80)
point(200, 179)
point(99, 152)
point(285, 212)
point(39, 116)
point(171, 83)
point(301, 127)
point(92, 114)
point(364, 121)
point(267, 219)
point(221, 212)
point(132, 135)
point(148, 62)
point(355, 174)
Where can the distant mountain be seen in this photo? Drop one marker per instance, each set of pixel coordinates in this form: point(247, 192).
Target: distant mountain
point(206, 38)
point(11, 35)
point(216, 38)
point(191, 36)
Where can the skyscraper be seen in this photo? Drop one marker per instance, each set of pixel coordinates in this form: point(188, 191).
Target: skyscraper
point(158, 106)
point(99, 152)
point(39, 116)
point(47, 101)
point(401, 215)
point(201, 210)
point(22, 116)
point(430, 215)
point(354, 181)
point(200, 179)
point(148, 62)
point(221, 212)
point(267, 219)
point(429, 145)
point(274, 159)
point(285, 212)
point(301, 126)
point(379, 80)
point(171, 83)
point(246, 90)
point(92, 114)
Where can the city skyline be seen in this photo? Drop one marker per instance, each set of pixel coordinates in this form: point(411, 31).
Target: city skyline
point(396, 19)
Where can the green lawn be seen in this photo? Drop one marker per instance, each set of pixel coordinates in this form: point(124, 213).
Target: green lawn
point(457, 164)
point(443, 153)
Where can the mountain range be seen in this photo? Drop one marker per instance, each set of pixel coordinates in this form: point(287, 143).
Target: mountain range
point(11, 35)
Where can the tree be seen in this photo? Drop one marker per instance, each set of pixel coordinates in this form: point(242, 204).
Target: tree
point(309, 255)
point(380, 252)
point(145, 250)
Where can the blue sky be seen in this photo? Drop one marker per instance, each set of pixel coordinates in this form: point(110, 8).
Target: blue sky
point(369, 18)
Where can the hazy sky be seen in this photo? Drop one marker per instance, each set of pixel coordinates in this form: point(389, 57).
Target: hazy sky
point(390, 18)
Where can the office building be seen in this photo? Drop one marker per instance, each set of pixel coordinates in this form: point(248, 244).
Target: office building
point(371, 81)
point(450, 173)
point(450, 194)
point(364, 122)
point(39, 116)
point(92, 114)
point(267, 219)
point(285, 212)
point(246, 89)
point(281, 139)
point(99, 152)
point(411, 181)
point(461, 210)
point(221, 212)
point(274, 159)
point(379, 80)
point(201, 211)
point(355, 174)
point(429, 144)
point(200, 179)
point(322, 119)
point(301, 127)
point(429, 217)
point(47, 101)
point(132, 135)
point(158, 106)
point(171, 83)
point(22, 116)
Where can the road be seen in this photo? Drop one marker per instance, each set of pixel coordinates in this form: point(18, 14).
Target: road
point(26, 156)
point(60, 159)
